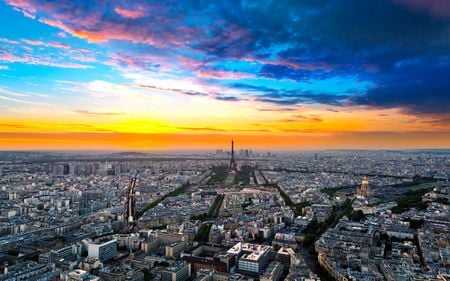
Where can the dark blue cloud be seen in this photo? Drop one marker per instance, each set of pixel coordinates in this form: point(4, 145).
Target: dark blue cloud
point(403, 51)
point(304, 72)
point(281, 72)
point(418, 87)
point(226, 98)
point(291, 97)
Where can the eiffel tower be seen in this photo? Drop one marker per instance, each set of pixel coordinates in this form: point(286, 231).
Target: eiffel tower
point(233, 165)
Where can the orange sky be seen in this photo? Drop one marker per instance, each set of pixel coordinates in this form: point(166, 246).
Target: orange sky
point(137, 122)
point(105, 80)
point(136, 141)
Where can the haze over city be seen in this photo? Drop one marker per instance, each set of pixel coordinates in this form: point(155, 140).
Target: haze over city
point(165, 75)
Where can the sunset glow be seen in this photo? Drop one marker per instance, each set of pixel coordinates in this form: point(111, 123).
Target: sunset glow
point(151, 75)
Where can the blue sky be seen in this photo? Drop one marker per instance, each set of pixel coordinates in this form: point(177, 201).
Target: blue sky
point(90, 58)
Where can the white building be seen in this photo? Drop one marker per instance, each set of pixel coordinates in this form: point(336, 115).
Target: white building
point(103, 249)
point(251, 257)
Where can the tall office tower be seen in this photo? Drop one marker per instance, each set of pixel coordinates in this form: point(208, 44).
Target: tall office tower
point(233, 165)
point(66, 170)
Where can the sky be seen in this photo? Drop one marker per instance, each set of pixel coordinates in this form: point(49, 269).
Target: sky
point(156, 75)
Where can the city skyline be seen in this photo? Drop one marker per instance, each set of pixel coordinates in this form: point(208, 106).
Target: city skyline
point(285, 75)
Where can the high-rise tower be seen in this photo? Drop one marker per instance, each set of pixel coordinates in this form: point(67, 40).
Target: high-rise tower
point(130, 205)
point(233, 165)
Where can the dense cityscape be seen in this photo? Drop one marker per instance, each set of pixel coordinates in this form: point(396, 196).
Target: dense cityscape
point(226, 140)
point(225, 215)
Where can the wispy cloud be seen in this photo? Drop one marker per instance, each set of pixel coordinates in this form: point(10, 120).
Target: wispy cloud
point(53, 44)
point(302, 118)
point(98, 114)
point(21, 98)
point(278, 109)
point(222, 74)
point(201, 129)
point(22, 101)
point(33, 42)
point(28, 58)
point(132, 14)
point(174, 90)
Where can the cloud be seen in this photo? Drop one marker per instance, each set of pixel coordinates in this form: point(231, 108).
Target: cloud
point(225, 40)
point(33, 42)
point(226, 98)
point(278, 109)
point(436, 8)
point(286, 72)
point(159, 25)
point(21, 101)
point(215, 96)
point(10, 53)
point(59, 45)
point(132, 14)
point(9, 41)
point(417, 88)
point(175, 90)
point(312, 117)
point(149, 62)
point(53, 44)
point(380, 43)
point(86, 58)
point(221, 74)
point(13, 99)
point(10, 126)
point(12, 93)
point(291, 97)
point(200, 129)
point(97, 114)
point(23, 98)
point(217, 130)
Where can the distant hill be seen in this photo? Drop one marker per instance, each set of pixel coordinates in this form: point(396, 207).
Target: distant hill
point(128, 154)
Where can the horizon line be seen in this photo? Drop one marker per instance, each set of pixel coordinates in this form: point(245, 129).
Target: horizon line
point(215, 149)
